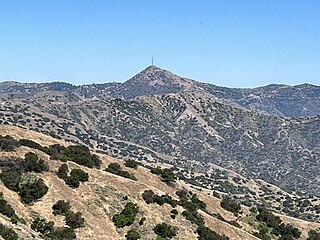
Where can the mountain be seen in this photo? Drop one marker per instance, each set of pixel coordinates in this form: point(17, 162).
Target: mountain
point(111, 204)
point(178, 128)
point(281, 100)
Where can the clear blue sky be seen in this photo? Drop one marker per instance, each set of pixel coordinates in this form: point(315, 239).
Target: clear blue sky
point(226, 42)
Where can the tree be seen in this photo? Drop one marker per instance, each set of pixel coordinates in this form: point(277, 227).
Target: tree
point(230, 205)
point(61, 208)
point(133, 235)
point(74, 220)
point(79, 174)
point(166, 231)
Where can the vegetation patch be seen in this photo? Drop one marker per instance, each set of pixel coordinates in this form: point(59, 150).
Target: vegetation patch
point(127, 216)
point(76, 176)
point(165, 231)
point(115, 168)
point(7, 233)
point(166, 175)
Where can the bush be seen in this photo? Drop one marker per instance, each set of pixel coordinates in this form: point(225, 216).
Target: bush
point(61, 208)
point(42, 226)
point(148, 196)
point(133, 235)
point(7, 233)
point(63, 171)
point(206, 233)
point(131, 164)
point(230, 205)
point(166, 175)
point(76, 176)
point(74, 220)
point(8, 143)
point(268, 218)
point(165, 231)
point(11, 180)
point(32, 191)
point(79, 174)
point(127, 216)
point(62, 234)
point(7, 210)
point(116, 169)
point(313, 235)
point(33, 164)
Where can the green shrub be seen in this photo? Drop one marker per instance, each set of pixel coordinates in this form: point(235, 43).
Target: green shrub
point(42, 226)
point(33, 164)
point(61, 207)
point(165, 231)
point(74, 220)
point(205, 233)
point(313, 235)
point(79, 174)
point(32, 191)
point(230, 205)
point(6, 208)
point(63, 171)
point(131, 164)
point(8, 143)
point(116, 169)
point(127, 216)
point(64, 233)
point(11, 179)
point(133, 235)
point(7, 233)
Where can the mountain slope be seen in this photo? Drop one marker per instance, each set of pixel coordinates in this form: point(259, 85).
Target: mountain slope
point(282, 100)
point(177, 128)
point(103, 196)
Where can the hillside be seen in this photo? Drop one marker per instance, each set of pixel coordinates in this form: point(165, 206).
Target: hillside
point(176, 128)
point(105, 194)
point(281, 100)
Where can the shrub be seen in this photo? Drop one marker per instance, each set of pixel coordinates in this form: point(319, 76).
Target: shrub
point(63, 171)
point(61, 207)
point(127, 216)
point(72, 182)
point(142, 220)
point(74, 220)
point(206, 233)
point(116, 169)
point(8, 143)
point(268, 218)
point(166, 175)
point(42, 226)
point(79, 174)
point(133, 235)
point(148, 196)
point(313, 235)
point(33, 164)
point(131, 164)
point(230, 205)
point(32, 191)
point(165, 231)
point(173, 213)
point(7, 210)
point(7, 233)
point(11, 180)
point(64, 233)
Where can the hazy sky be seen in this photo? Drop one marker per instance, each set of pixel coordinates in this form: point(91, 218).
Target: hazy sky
point(237, 43)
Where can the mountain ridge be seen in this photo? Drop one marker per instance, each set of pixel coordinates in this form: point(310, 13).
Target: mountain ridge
point(283, 100)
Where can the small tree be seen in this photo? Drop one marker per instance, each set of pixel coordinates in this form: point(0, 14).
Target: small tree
point(133, 235)
point(166, 231)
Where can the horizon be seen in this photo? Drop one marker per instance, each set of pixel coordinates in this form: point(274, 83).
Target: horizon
point(120, 82)
point(229, 43)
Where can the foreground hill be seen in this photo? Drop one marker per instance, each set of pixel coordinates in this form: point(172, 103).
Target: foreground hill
point(105, 194)
point(282, 100)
